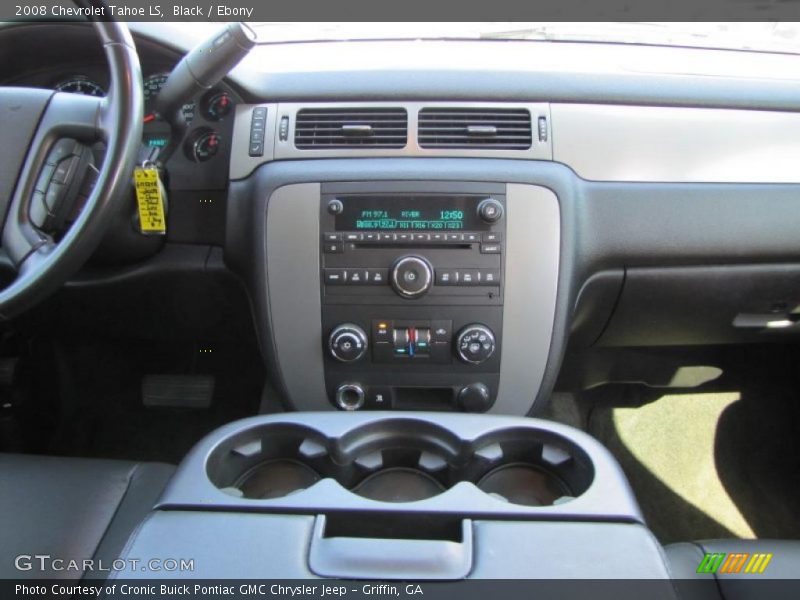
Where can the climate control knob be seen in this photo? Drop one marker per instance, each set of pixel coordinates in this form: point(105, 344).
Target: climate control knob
point(411, 276)
point(475, 344)
point(347, 342)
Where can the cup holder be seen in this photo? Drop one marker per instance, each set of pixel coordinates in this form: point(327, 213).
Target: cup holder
point(399, 484)
point(275, 479)
point(397, 460)
point(269, 462)
point(524, 484)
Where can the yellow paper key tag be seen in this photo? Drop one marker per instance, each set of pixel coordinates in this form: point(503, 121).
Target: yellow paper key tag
point(150, 201)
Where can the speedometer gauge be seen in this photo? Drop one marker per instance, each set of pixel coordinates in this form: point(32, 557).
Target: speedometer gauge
point(80, 85)
point(152, 87)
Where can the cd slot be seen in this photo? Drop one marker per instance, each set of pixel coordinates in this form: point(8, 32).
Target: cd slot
point(425, 245)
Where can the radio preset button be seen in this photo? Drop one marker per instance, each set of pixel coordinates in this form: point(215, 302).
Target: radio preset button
point(469, 277)
point(352, 237)
point(335, 276)
point(333, 247)
point(455, 237)
point(403, 237)
point(331, 236)
point(490, 276)
point(372, 237)
point(357, 277)
point(422, 237)
point(446, 277)
point(472, 237)
point(377, 276)
point(387, 237)
point(438, 237)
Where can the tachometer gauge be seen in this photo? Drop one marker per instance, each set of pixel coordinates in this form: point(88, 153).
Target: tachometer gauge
point(152, 86)
point(80, 85)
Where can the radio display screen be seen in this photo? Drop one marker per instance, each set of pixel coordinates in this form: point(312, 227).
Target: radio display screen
point(409, 213)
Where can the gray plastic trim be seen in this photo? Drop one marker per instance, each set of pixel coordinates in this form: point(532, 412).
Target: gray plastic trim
point(242, 164)
point(246, 251)
point(608, 498)
point(241, 161)
point(651, 143)
point(293, 276)
point(533, 237)
point(375, 558)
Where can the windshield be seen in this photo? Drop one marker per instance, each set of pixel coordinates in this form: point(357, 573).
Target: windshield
point(776, 37)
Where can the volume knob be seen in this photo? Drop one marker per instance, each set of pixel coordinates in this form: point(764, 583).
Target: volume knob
point(412, 276)
point(347, 342)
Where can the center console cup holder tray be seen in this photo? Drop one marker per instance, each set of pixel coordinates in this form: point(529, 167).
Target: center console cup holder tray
point(465, 465)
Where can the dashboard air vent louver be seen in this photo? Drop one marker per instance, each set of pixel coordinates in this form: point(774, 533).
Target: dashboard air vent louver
point(328, 128)
point(492, 128)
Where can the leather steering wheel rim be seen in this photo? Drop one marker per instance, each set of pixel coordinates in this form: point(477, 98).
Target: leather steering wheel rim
point(42, 264)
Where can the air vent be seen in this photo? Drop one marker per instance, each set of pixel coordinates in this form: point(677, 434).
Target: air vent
point(328, 128)
point(493, 128)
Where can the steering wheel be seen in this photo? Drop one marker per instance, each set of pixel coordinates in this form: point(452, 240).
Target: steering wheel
point(34, 120)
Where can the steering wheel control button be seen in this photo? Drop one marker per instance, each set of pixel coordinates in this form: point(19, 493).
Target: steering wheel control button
point(350, 396)
point(411, 276)
point(475, 344)
point(45, 177)
point(490, 210)
point(347, 342)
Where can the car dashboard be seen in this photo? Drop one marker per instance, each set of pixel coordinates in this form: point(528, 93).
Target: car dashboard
point(425, 239)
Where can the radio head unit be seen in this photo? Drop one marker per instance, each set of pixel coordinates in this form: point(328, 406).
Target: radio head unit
point(412, 294)
point(414, 213)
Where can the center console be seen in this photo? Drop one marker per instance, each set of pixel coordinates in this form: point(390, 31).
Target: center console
point(412, 294)
point(387, 496)
point(415, 295)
